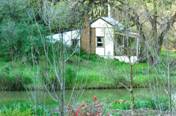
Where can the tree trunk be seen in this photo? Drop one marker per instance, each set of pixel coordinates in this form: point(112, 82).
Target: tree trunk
point(131, 91)
point(168, 76)
point(62, 78)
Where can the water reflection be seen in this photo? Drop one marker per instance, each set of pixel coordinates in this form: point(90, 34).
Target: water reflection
point(23, 96)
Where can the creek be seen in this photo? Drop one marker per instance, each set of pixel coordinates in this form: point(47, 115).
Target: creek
point(43, 97)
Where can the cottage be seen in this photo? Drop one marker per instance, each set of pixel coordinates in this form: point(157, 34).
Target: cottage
point(105, 37)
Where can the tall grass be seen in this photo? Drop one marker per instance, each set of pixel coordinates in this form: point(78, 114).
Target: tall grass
point(89, 73)
point(82, 69)
point(154, 104)
point(13, 78)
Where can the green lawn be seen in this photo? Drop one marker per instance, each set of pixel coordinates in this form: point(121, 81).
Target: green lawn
point(94, 73)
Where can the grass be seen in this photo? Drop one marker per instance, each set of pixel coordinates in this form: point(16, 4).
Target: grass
point(154, 104)
point(93, 73)
point(22, 109)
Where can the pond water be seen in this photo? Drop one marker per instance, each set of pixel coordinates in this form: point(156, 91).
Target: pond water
point(118, 94)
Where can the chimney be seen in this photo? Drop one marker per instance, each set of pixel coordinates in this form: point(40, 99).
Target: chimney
point(86, 36)
point(87, 26)
point(88, 33)
point(109, 9)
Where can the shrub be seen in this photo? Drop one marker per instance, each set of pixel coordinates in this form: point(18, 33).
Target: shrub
point(70, 78)
point(92, 107)
point(16, 112)
point(13, 79)
point(157, 104)
point(88, 56)
point(120, 104)
point(13, 82)
point(6, 58)
point(22, 109)
point(50, 79)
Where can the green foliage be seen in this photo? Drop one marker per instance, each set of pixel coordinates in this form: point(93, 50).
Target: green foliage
point(13, 82)
point(88, 56)
point(18, 38)
point(6, 59)
point(121, 105)
point(35, 5)
point(86, 2)
point(94, 79)
point(155, 104)
point(18, 32)
point(16, 112)
point(13, 10)
point(22, 109)
point(114, 114)
point(12, 78)
point(70, 78)
point(48, 76)
point(51, 79)
point(94, 57)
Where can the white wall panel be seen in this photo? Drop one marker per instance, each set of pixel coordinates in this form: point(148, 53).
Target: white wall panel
point(100, 51)
point(109, 44)
point(100, 32)
point(67, 36)
point(100, 23)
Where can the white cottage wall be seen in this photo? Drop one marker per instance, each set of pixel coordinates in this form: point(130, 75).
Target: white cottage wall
point(99, 32)
point(100, 51)
point(109, 43)
point(103, 29)
point(100, 23)
point(67, 37)
point(108, 48)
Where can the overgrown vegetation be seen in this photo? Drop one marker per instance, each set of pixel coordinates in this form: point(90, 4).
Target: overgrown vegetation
point(11, 76)
point(22, 109)
point(154, 104)
point(30, 58)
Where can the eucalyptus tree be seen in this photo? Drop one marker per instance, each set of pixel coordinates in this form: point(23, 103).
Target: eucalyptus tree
point(166, 61)
point(13, 21)
point(150, 22)
point(146, 18)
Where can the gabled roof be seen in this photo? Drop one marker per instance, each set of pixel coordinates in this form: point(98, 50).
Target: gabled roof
point(110, 21)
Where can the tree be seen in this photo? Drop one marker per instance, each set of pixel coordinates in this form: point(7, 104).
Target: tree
point(53, 62)
point(167, 65)
point(147, 19)
point(124, 77)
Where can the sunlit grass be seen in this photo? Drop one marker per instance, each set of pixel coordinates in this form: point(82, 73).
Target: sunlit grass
point(90, 73)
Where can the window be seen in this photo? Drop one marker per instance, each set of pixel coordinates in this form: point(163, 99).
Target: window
point(100, 42)
point(74, 42)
